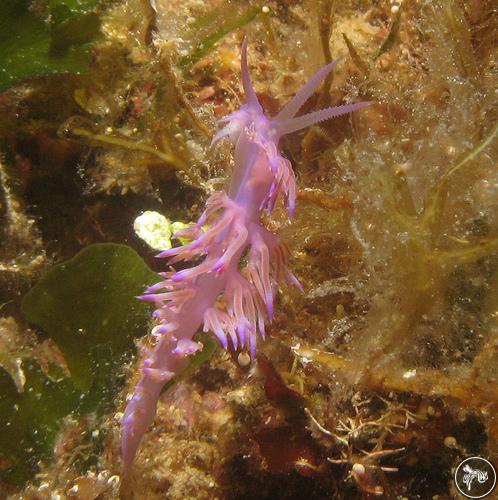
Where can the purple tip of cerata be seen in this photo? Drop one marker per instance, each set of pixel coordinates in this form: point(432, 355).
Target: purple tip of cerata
point(241, 330)
point(186, 347)
point(180, 276)
point(165, 253)
point(292, 208)
point(149, 297)
point(269, 310)
point(297, 283)
point(147, 363)
point(252, 350)
point(223, 341)
point(154, 288)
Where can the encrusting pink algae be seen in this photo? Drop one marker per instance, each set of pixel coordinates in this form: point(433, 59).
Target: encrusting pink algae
point(229, 299)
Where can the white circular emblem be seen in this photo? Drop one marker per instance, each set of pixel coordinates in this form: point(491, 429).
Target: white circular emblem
point(475, 477)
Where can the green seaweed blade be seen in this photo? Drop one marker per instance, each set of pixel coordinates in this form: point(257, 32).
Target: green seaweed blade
point(89, 303)
point(34, 44)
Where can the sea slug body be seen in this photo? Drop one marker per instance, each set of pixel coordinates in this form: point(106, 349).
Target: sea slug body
point(220, 294)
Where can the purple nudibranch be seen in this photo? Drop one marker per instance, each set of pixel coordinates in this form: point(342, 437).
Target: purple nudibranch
point(231, 302)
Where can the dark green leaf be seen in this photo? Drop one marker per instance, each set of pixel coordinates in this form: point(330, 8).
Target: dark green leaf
point(88, 303)
point(391, 36)
point(87, 306)
point(29, 421)
point(56, 40)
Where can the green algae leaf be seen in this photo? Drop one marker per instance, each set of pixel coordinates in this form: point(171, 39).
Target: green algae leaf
point(29, 421)
point(89, 303)
point(87, 306)
point(35, 43)
point(389, 41)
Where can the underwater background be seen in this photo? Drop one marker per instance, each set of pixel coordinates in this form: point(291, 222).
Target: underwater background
point(379, 377)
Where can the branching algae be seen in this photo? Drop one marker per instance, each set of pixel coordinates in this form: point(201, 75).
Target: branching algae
point(426, 262)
